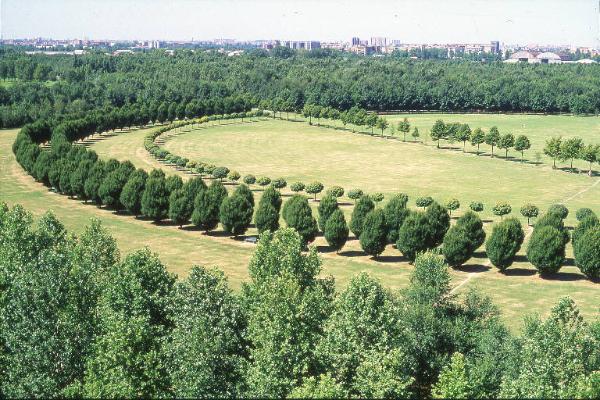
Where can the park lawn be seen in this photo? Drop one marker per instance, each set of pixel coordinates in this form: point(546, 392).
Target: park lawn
point(518, 293)
point(298, 151)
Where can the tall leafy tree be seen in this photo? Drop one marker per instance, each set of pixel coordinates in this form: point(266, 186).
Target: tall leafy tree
point(492, 138)
point(570, 149)
point(297, 214)
point(327, 206)
point(404, 127)
point(206, 206)
point(235, 213)
point(506, 142)
point(395, 213)
point(267, 213)
point(155, 200)
point(477, 138)
point(336, 230)
point(373, 237)
point(363, 206)
point(522, 143)
point(438, 131)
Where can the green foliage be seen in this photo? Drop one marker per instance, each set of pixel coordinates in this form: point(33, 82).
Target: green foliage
point(415, 235)
point(234, 176)
point(583, 213)
point(377, 197)
point(131, 195)
point(585, 224)
point(325, 387)
point(235, 213)
point(264, 181)
point(551, 357)
point(355, 194)
point(501, 209)
point(267, 213)
point(327, 206)
point(314, 188)
point(249, 179)
point(155, 200)
point(439, 220)
point(529, 211)
point(587, 257)
point(336, 230)
point(457, 248)
point(570, 149)
point(335, 191)
point(297, 187)
point(476, 206)
point(559, 209)
point(492, 138)
point(134, 321)
point(279, 183)
point(453, 382)
point(522, 143)
point(206, 206)
point(554, 220)
point(546, 249)
point(363, 206)
point(287, 307)
point(395, 213)
point(180, 207)
point(438, 131)
point(506, 142)
point(173, 183)
point(373, 236)
point(504, 243)
point(206, 350)
point(297, 214)
point(452, 205)
point(220, 172)
point(552, 149)
point(477, 138)
point(423, 201)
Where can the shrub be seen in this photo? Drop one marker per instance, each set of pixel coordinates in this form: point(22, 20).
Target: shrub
point(501, 209)
point(395, 213)
point(377, 197)
point(554, 220)
point(131, 195)
point(245, 191)
point(476, 206)
point(207, 205)
point(424, 202)
point(439, 220)
point(587, 258)
point(297, 214)
point(363, 206)
point(234, 176)
point(415, 235)
point(546, 249)
point(559, 209)
point(155, 200)
point(473, 228)
point(279, 183)
point(584, 225)
point(180, 208)
point(504, 243)
point(452, 205)
point(263, 181)
point(327, 206)
point(314, 188)
point(249, 179)
point(336, 230)
point(355, 194)
point(297, 187)
point(220, 172)
point(529, 211)
point(583, 213)
point(373, 237)
point(457, 247)
point(336, 191)
point(235, 213)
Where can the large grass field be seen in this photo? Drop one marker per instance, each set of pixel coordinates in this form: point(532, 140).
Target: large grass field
point(297, 151)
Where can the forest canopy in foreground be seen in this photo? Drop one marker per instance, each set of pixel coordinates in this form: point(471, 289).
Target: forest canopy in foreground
point(77, 320)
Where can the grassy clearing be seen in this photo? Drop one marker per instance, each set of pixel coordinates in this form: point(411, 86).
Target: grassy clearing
point(297, 151)
point(518, 293)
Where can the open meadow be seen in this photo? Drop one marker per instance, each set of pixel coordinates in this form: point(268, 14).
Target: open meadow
point(298, 151)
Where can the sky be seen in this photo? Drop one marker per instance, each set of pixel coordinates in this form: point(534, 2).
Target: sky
point(565, 22)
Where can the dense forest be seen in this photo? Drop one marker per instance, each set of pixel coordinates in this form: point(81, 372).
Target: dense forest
point(38, 86)
point(77, 320)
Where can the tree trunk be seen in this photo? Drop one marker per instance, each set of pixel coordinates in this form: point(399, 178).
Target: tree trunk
point(464, 145)
point(477, 148)
point(506, 154)
point(404, 137)
point(492, 151)
point(554, 163)
point(590, 171)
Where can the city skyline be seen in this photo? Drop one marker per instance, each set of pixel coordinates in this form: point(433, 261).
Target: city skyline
point(463, 21)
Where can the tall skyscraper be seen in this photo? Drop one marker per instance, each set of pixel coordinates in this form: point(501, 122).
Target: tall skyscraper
point(355, 41)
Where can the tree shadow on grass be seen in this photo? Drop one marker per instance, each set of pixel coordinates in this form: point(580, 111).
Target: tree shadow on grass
point(325, 249)
point(218, 234)
point(352, 253)
point(473, 268)
point(392, 259)
point(519, 272)
point(564, 277)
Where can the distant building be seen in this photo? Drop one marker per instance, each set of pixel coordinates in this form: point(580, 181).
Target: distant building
point(586, 61)
point(531, 57)
point(378, 41)
point(549, 58)
point(302, 45)
point(355, 41)
point(495, 47)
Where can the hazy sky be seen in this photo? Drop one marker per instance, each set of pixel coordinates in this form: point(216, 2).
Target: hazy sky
point(510, 21)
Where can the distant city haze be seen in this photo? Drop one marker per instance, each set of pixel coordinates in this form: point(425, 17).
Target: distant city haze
point(566, 22)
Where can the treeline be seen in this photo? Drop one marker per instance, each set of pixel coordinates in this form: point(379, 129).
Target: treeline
point(77, 320)
point(92, 81)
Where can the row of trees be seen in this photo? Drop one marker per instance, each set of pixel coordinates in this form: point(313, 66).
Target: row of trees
point(570, 150)
point(77, 320)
